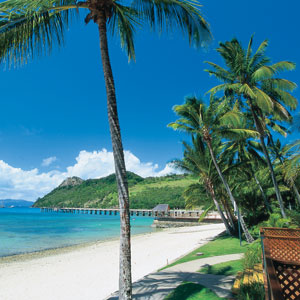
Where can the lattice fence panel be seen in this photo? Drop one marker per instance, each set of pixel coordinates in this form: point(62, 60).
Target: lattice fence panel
point(283, 232)
point(283, 249)
point(289, 279)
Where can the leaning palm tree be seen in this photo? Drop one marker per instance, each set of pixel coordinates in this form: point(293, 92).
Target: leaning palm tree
point(254, 81)
point(245, 152)
point(215, 120)
point(29, 28)
point(197, 161)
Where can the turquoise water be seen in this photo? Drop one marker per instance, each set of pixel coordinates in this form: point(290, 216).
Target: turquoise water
point(24, 230)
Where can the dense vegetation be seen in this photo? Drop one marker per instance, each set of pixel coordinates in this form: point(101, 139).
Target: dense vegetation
point(242, 169)
point(102, 193)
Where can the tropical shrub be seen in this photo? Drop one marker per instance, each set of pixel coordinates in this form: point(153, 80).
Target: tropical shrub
point(253, 255)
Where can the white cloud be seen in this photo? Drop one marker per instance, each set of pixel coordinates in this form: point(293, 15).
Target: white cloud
point(48, 161)
point(16, 183)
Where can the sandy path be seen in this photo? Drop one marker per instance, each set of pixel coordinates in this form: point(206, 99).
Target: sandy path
point(91, 272)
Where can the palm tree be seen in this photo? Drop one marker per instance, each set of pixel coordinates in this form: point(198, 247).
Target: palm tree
point(197, 160)
point(30, 27)
point(289, 158)
point(255, 82)
point(282, 154)
point(215, 120)
point(245, 153)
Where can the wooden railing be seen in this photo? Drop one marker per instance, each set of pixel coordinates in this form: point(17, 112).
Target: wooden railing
point(281, 253)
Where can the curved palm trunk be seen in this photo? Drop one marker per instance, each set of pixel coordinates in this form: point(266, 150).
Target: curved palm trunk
point(248, 236)
point(211, 191)
point(266, 153)
point(125, 284)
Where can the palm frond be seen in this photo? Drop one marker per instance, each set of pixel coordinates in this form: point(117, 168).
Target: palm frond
point(167, 14)
point(263, 100)
point(264, 72)
point(123, 21)
point(282, 84)
point(222, 87)
point(259, 53)
point(29, 28)
point(247, 91)
point(287, 98)
point(219, 72)
point(283, 66)
point(238, 133)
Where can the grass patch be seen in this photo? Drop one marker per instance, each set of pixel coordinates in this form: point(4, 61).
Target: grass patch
point(226, 268)
point(222, 245)
point(192, 291)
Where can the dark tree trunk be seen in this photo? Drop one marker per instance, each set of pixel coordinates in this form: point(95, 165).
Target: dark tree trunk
point(125, 284)
point(210, 189)
point(248, 236)
point(260, 129)
point(229, 214)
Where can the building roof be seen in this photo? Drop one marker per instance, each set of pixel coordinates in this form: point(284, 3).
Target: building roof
point(161, 207)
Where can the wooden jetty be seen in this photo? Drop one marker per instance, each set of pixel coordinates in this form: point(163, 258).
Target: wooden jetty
point(171, 214)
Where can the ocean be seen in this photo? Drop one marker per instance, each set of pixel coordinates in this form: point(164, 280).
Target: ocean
point(24, 230)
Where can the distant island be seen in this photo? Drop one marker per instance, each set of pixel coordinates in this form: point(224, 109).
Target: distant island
point(15, 203)
point(102, 193)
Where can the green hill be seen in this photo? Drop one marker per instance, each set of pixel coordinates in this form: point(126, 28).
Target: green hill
point(102, 193)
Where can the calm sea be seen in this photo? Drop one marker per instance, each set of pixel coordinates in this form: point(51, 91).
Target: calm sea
point(25, 230)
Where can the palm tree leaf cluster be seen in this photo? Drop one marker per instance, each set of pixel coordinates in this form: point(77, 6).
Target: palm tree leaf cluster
point(31, 28)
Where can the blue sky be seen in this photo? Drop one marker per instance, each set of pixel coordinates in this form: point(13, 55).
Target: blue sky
point(55, 106)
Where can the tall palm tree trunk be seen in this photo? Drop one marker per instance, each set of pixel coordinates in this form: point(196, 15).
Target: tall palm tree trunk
point(211, 191)
point(125, 283)
point(266, 153)
point(248, 236)
point(278, 194)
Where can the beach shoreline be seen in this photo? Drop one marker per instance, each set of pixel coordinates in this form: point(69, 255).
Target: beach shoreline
point(90, 271)
point(20, 257)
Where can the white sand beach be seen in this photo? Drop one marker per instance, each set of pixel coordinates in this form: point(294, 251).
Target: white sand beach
point(91, 272)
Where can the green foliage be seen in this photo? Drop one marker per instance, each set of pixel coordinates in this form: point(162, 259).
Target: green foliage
point(276, 220)
point(253, 291)
point(227, 268)
point(29, 28)
point(192, 291)
point(205, 212)
point(294, 216)
point(291, 167)
point(102, 193)
point(253, 255)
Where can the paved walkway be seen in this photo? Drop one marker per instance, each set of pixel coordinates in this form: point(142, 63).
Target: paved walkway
point(157, 286)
